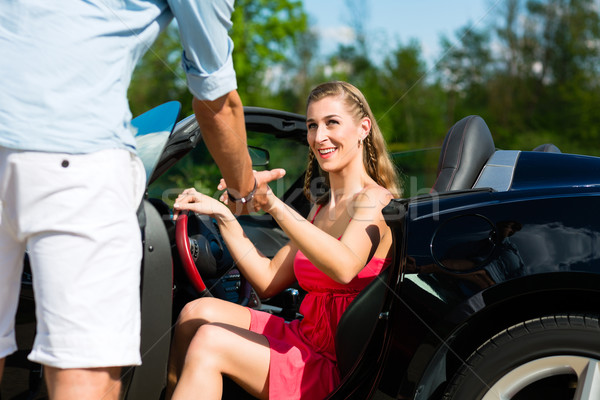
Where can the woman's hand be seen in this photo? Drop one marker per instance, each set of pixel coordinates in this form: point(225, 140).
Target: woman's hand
point(190, 199)
point(264, 197)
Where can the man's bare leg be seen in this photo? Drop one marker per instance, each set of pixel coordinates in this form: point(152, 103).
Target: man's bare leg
point(1, 368)
point(83, 384)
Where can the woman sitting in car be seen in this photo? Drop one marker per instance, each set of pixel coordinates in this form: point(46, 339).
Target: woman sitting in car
point(333, 254)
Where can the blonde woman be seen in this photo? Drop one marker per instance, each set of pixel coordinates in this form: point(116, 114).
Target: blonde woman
point(333, 254)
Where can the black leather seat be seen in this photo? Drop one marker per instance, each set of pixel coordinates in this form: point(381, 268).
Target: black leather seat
point(358, 323)
point(467, 147)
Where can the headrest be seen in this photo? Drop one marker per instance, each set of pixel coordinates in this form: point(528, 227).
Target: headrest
point(547, 148)
point(467, 147)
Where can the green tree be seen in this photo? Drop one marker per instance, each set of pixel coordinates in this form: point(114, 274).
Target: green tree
point(264, 32)
point(464, 70)
point(567, 33)
point(540, 83)
point(352, 62)
point(414, 106)
point(300, 74)
point(514, 88)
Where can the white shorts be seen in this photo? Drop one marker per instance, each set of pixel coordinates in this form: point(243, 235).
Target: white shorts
point(76, 216)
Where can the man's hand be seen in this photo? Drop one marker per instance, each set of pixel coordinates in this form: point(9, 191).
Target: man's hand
point(263, 196)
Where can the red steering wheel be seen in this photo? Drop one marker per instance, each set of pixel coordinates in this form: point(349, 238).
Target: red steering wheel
point(182, 241)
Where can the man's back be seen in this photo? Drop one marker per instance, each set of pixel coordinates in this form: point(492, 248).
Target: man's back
point(65, 69)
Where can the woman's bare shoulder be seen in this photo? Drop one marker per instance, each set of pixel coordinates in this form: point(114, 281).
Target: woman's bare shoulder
point(373, 195)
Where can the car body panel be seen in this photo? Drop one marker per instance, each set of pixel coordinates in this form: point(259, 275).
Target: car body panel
point(551, 263)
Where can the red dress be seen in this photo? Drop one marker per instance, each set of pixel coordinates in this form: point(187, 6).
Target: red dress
point(303, 360)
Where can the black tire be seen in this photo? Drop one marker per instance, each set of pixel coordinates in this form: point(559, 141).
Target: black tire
point(555, 357)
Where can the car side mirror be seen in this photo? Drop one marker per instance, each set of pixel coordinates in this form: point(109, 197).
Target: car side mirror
point(259, 156)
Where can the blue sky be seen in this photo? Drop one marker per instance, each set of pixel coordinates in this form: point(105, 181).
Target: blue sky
point(389, 21)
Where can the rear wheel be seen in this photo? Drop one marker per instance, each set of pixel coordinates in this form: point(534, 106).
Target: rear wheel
point(556, 357)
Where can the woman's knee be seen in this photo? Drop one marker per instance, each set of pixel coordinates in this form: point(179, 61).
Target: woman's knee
point(201, 311)
point(211, 310)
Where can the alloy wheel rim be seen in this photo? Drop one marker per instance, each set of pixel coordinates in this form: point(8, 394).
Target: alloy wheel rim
point(586, 369)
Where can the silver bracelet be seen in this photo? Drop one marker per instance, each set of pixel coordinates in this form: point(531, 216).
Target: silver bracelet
point(244, 199)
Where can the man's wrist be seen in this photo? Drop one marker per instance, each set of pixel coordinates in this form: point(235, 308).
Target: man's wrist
point(242, 200)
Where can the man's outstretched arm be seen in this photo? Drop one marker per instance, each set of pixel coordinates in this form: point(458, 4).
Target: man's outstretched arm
point(223, 130)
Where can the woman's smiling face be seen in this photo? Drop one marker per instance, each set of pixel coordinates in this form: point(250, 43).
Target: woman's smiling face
point(333, 134)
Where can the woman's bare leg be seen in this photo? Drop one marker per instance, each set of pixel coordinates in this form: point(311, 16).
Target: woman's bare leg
point(195, 314)
point(217, 350)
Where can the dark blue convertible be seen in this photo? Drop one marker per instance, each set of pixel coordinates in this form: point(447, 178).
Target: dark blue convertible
point(493, 292)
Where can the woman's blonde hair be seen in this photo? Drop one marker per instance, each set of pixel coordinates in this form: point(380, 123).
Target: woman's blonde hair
point(377, 161)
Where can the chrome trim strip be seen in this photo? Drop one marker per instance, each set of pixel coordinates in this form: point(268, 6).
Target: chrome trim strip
point(499, 170)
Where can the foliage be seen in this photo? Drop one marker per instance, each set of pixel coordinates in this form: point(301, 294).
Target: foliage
point(415, 109)
point(464, 70)
point(532, 73)
point(541, 82)
point(265, 34)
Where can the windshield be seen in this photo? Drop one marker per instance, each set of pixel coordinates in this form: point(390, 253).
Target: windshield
point(197, 169)
point(418, 170)
point(152, 130)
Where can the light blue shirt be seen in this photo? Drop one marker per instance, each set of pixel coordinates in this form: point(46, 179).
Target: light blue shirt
point(65, 66)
